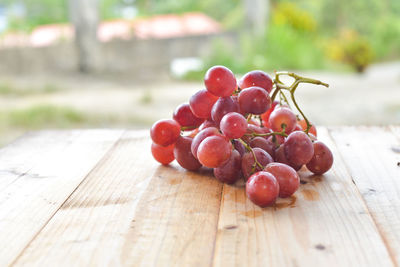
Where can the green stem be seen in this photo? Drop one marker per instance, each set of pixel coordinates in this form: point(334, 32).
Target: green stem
point(256, 163)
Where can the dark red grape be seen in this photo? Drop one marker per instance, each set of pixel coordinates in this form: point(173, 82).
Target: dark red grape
point(262, 189)
point(233, 125)
point(263, 143)
point(185, 117)
point(239, 147)
point(223, 106)
point(183, 154)
point(220, 81)
point(165, 132)
point(163, 154)
point(201, 104)
point(280, 157)
point(254, 100)
point(256, 78)
point(248, 163)
point(286, 176)
point(298, 148)
point(229, 172)
point(201, 136)
point(214, 151)
point(322, 159)
point(282, 117)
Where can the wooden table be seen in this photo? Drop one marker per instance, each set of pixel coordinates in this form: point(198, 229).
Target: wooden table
point(96, 197)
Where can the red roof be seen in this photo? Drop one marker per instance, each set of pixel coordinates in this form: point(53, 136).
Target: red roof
point(155, 27)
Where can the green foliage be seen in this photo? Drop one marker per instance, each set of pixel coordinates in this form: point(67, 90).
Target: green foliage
point(351, 48)
point(43, 116)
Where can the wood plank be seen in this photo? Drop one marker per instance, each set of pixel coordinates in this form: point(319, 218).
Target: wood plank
point(325, 224)
point(372, 158)
point(131, 211)
point(59, 164)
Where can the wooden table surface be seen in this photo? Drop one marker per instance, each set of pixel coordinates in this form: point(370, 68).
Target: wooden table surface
point(97, 198)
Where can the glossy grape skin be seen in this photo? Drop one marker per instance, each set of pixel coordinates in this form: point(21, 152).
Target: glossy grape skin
point(303, 125)
point(265, 116)
point(185, 117)
point(223, 106)
point(233, 125)
point(210, 131)
point(165, 132)
point(248, 161)
point(256, 78)
point(201, 104)
point(287, 177)
point(251, 129)
point(254, 100)
point(214, 151)
point(280, 157)
point(207, 124)
point(183, 154)
point(262, 189)
point(229, 172)
point(163, 154)
point(322, 159)
point(282, 116)
point(239, 147)
point(220, 81)
point(263, 143)
point(298, 148)
point(277, 140)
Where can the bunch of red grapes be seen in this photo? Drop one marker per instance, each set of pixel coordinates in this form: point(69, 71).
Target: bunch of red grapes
point(239, 130)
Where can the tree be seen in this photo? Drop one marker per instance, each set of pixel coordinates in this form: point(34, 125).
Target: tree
point(84, 15)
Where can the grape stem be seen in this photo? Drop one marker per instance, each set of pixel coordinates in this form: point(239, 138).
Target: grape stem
point(256, 163)
point(184, 128)
point(267, 134)
point(292, 88)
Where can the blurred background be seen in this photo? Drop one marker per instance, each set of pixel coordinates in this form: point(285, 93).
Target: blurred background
point(126, 63)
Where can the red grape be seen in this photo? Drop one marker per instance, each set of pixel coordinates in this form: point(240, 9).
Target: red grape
point(183, 154)
point(256, 78)
point(251, 129)
point(254, 100)
point(280, 157)
point(298, 148)
point(220, 81)
point(229, 172)
point(286, 176)
point(214, 151)
point(165, 132)
point(223, 106)
point(262, 189)
point(233, 125)
point(265, 144)
point(163, 154)
point(322, 159)
point(201, 104)
point(277, 139)
point(239, 147)
point(201, 136)
point(185, 117)
point(248, 162)
point(312, 130)
point(265, 116)
point(206, 124)
point(281, 117)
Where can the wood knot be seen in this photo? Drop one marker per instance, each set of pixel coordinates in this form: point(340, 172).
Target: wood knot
point(320, 247)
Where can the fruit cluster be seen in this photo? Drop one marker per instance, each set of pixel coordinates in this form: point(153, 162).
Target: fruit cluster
point(240, 130)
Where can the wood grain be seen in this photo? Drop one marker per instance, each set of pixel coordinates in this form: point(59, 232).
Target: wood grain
point(371, 158)
point(131, 211)
point(43, 181)
point(325, 224)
